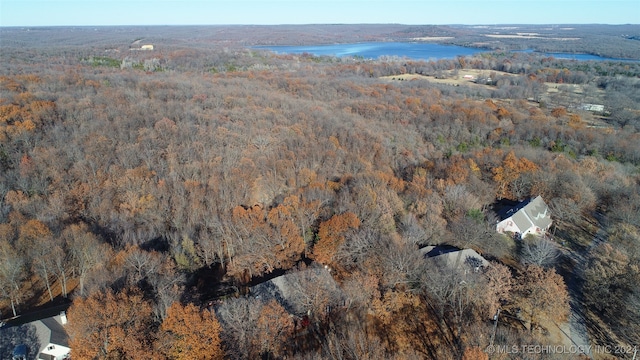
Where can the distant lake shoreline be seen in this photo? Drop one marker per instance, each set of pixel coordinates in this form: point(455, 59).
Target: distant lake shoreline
point(411, 50)
point(374, 50)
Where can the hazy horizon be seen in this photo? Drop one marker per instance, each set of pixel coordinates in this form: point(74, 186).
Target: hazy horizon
point(315, 24)
point(36, 13)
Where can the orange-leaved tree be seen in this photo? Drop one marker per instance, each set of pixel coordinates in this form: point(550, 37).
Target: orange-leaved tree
point(110, 326)
point(274, 328)
point(508, 176)
point(190, 333)
point(331, 235)
point(542, 295)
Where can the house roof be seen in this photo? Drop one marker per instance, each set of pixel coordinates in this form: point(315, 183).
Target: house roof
point(51, 332)
point(285, 289)
point(57, 333)
point(521, 220)
point(452, 256)
point(538, 213)
point(529, 213)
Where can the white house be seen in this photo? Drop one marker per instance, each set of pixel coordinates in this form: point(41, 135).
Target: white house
point(146, 47)
point(54, 341)
point(528, 217)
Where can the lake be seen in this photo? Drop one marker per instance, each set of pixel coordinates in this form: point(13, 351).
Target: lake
point(373, 50)
point(412, 50)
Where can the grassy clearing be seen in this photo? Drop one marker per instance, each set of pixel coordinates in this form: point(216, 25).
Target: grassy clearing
point(451, 77)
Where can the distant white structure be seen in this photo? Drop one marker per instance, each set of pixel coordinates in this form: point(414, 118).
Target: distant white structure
point(592, 107)
point(146, 47)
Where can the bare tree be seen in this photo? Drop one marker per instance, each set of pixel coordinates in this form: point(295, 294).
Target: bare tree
point(86, 251)
point(61, 266)
point(209, 244)
point(168, 285)
point(411, 230)
point(353, 341)
point(42, 262)
point(539, 251)
point(238, 318)
point(313, 291)
point(142, 264)
point(398, 262)
point(453, 291)
point(12, 275)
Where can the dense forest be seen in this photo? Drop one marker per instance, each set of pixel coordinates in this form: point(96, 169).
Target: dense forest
point(156, 190)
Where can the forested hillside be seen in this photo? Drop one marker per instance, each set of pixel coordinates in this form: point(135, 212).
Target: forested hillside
point(157, 185)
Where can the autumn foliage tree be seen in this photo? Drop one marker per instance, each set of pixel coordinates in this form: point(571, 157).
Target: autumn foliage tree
point(509, 176)
point(475, 353)
point(108, 325)
point(542, 295)
point(274, 327)
point(190, 333)
point(331, 236)
point(499, 284)
point(266, 240)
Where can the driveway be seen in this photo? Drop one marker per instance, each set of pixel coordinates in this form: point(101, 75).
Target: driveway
point(572, 266)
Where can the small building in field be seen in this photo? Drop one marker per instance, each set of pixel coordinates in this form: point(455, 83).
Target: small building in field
point(592, 107)
point(54, 341)
point(531, 216)
point(146, 47)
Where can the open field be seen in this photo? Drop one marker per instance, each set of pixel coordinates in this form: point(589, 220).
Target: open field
point(523, 36)
point(452, 77)
point(433, 38)
point(565, 95)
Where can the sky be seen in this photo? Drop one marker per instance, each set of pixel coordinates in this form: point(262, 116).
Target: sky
point(270, 12)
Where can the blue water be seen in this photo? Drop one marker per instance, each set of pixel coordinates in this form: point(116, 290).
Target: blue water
point(418, 51)
point(412, 50)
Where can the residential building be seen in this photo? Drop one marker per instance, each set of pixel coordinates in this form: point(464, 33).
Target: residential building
point(54, 341)
point(454, 258)
point(531, 216)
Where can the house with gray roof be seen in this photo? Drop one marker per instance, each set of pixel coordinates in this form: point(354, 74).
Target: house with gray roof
point(54, 341)
point(527, 217)
point(454, 258)
point(299, 292)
